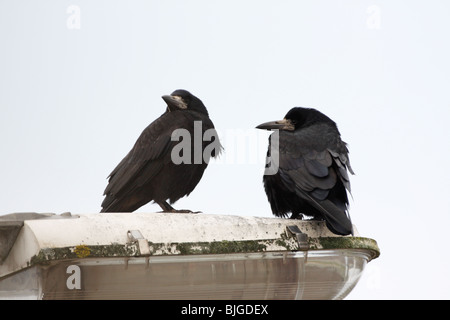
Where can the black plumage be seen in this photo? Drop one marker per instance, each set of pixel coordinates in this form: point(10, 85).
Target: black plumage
point(311, 163)
point(149, 172)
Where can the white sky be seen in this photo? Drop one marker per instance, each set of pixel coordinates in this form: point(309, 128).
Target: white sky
point(75, 97)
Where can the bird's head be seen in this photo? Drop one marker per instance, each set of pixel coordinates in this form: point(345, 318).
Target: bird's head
point(184, 100)
point(296, 118)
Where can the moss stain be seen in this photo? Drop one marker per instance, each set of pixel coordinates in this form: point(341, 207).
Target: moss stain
point(284, 243)
point(218, 247)
point(82, 251)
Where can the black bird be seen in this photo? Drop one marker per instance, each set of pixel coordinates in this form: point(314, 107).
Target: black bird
point(310, 163)
point(157, 167)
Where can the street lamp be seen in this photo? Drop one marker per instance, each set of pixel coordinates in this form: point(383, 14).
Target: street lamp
point(176, 256)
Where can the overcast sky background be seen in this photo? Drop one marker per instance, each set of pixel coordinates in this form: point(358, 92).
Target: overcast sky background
point(80, 80)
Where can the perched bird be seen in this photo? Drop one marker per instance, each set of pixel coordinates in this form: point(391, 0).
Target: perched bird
point(311, 163)
point(159, 167)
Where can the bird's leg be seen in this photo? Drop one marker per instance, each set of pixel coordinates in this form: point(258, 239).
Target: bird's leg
point(168, 208)
point(165, 206)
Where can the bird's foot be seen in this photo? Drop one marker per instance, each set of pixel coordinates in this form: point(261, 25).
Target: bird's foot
point(180, 211)
point(168, 208)
point(185, 211)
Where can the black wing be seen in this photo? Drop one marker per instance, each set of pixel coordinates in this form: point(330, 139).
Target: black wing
point(313, 164)
point(144, 161)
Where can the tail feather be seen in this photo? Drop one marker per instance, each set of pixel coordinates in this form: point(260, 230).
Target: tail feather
point(337, 220)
